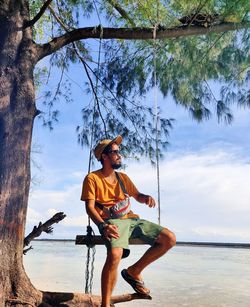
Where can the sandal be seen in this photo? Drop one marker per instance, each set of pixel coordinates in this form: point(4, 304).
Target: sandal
point(137, 285)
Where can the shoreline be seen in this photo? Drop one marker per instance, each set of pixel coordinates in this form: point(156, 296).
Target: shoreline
point(180, 243)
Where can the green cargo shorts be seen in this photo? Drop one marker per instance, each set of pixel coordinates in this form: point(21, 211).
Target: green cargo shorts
point(134, 228)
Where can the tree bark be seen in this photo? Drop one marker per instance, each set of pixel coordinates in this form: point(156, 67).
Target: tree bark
point(86, 300)
point(17, 112)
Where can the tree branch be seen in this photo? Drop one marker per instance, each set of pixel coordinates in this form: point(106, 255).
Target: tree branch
point(79, 299)
point(132, 34)
point(31, 22)
point(57, 18)
point(46, 227)
point(121, 11)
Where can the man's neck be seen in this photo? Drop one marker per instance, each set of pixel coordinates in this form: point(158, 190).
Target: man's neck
point(108, 171)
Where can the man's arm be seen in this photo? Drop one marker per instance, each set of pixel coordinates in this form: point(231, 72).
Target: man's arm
point(108, 231)
point(140, 197)
point(145, 199)
point(92, 212)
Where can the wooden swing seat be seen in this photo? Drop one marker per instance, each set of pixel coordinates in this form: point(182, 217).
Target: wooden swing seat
point(98, 240)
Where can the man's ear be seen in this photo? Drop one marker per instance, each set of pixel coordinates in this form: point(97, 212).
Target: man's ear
point(104, 156)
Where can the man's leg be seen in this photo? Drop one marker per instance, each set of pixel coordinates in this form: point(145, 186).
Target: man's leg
point(165, 240)
point(109, 274)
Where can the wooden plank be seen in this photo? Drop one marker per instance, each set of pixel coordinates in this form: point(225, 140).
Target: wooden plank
point(98, 240)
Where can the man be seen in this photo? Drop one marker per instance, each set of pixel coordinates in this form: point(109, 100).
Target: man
point(106, 194)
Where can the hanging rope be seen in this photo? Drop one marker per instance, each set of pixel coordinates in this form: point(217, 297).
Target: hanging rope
point(89, 270)
point(157, 120)
point(90, 258)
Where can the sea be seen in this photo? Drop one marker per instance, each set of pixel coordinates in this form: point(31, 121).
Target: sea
point(185, 276)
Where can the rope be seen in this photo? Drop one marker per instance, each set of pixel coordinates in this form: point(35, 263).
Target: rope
point(89, 271)
point(157, 122)
point(90, 258)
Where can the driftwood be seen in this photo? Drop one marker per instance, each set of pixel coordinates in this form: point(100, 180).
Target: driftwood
point(85, 300)
point(46, 227)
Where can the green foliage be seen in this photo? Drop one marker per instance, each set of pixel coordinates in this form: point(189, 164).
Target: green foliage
point(44, 23)
point(167, 13)
point(133, 121)
point(186, 68)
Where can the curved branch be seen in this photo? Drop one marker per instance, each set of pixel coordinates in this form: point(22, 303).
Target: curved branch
point(31, 22)
point(57, 18)
point(133, 34)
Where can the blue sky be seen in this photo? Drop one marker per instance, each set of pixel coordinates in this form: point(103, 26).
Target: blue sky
point(205, 175)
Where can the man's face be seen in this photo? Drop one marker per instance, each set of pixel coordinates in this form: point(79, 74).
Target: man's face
point(115, 156)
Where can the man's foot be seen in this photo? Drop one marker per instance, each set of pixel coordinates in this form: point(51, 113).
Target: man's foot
point(136, 284)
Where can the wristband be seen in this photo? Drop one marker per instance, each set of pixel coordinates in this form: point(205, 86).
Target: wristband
point(101, 226)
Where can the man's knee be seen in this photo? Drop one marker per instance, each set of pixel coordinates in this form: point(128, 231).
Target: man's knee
point(171, 238)
point(114, 256)
point(166, 238)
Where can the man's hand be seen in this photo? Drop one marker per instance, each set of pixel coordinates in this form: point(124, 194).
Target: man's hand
point(146, 199)
point(149, 200)
point(110, 231)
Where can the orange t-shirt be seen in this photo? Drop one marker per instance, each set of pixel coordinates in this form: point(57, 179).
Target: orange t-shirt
point(96, 187)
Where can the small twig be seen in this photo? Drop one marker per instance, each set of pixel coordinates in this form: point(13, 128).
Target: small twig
point(46, 227)
point(121, 11)
point(31, 22)
point(52, 11)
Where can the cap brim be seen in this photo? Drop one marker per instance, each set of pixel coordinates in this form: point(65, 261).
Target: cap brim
point(117, 140)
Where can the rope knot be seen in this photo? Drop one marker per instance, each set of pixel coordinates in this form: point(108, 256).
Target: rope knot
point(89, 237)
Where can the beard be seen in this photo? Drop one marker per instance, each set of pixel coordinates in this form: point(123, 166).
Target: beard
point(116, 165)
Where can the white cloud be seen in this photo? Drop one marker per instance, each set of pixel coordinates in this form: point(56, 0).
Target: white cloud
point(232, 232)
point(33, 216)
point(203, 194)
point(202, 177)
point(51, 212)
point(75, 221)
point(44, 203)
point(58, 197)
point(77, 175)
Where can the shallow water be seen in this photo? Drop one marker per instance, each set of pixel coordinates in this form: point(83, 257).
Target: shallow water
point(186, 276)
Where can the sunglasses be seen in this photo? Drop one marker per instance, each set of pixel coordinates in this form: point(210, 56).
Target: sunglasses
point(115, 152)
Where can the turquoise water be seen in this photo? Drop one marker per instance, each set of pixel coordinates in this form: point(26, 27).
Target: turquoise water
point(186, 276)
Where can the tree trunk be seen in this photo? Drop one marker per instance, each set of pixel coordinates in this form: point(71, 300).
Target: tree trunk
point(17, 112)
point(18, 56)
